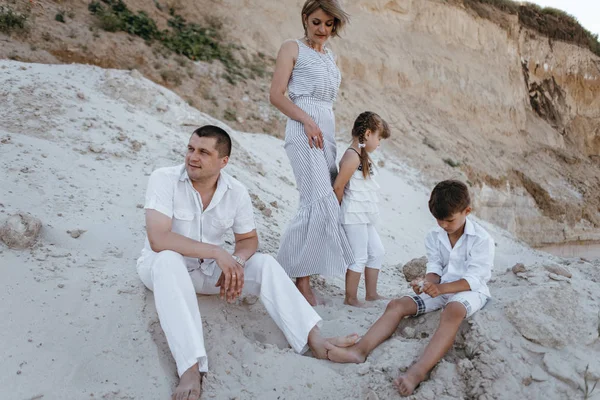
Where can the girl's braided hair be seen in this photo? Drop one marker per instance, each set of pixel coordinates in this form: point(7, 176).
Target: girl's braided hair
point(371, 121)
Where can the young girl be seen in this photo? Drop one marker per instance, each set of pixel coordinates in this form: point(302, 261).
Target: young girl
point(356, 190)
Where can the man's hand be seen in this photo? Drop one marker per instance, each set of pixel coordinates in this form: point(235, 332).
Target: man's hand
point(432, 289)
point(231, 280)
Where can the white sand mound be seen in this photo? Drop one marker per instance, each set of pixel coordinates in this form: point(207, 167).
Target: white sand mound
point(76, 146)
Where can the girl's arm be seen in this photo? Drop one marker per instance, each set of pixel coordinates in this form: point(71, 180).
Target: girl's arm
point(348, 164)
point(286, 58)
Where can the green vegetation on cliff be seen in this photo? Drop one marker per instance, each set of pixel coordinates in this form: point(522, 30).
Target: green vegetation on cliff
point(551, 22)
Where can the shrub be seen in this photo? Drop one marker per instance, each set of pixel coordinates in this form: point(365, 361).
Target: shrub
point(12, 21)
point(60, 17)
point(117, 17)
point(188, 39)
point(230, 115)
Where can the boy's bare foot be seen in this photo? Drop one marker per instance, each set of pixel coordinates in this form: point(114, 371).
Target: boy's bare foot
point(318, 344)
point(343, 341)
point(407, 383)
point(345, 355)
point(354, 302)
point(190, 385)
point(376, 297)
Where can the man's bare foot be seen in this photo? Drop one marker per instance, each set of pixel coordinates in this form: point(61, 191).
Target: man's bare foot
point(354, 302)
point(190, 385)
point(345, 355)
point(376, 297)
point(407, 383)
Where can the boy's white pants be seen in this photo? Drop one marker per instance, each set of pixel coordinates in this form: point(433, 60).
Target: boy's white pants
point(175, 289)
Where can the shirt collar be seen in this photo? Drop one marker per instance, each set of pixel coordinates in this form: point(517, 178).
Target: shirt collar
point(469, 228)
point(445, 240)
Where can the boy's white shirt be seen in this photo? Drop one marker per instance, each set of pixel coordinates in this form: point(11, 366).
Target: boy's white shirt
point(471, 259)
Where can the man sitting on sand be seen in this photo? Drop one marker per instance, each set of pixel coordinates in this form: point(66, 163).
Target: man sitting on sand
point(189, 208)
point(460, 255)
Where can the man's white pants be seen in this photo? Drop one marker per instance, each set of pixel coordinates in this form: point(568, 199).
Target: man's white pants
point(175, 289)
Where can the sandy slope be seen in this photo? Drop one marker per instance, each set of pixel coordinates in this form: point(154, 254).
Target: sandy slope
point(76, 146)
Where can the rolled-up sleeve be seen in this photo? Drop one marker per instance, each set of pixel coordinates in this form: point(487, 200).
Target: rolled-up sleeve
point(480, 262)
point(434, 258)
point(159, 194)
point(244, 216)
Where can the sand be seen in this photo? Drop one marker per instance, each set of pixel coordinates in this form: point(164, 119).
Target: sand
point(77, 144)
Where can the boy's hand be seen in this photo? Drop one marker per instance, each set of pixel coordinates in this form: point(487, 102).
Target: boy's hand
point(416, 285)
point(432, 289)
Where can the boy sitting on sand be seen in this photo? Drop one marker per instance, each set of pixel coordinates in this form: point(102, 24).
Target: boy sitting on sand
point(460, 256)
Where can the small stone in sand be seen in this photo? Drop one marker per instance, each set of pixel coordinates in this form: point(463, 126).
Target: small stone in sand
point(20, 231)
point(558, 270)
point(409, 332)
point(76, 233)
point(140, 206)
point(61, 285)
point(415, 268)
point(364, 368)
point(95, 148)
point(518, 268)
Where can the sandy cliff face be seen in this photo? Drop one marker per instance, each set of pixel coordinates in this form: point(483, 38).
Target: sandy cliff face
point(519, 113)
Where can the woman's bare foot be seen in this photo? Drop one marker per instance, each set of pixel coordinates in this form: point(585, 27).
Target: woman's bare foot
point(350, 354)
point(376, 297)
point(407, 383)
point(303, 285)
point(190, 385)
point(354, 302)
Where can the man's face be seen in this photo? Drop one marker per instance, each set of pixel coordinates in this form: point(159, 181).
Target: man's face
point(454, 222)
point(202, 160)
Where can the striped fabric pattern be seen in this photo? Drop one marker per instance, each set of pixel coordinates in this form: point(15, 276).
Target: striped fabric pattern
point(314, 242)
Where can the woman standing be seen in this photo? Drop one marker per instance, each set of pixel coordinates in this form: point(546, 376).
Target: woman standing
point(314, 242)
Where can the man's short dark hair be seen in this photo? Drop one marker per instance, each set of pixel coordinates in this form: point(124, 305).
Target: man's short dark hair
point(223, 145)
point(449, 197)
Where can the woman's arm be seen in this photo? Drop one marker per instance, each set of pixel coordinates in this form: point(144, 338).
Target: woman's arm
point(284, 65)
point(348, 164)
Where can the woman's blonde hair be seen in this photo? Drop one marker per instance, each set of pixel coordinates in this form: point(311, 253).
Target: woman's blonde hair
point(371, 121)
point(331, 7)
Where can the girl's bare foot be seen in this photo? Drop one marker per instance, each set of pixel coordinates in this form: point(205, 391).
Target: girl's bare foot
point(407, 383)
point(345, 355)
point(190, 385)
point(376, 297)
point(354, 302)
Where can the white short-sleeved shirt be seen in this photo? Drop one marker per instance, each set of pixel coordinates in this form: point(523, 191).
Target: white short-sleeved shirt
point(471, 259)
point(171, 193)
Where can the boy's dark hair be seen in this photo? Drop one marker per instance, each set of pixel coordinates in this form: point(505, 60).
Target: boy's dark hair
point(223, 145)
point(449, 197)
